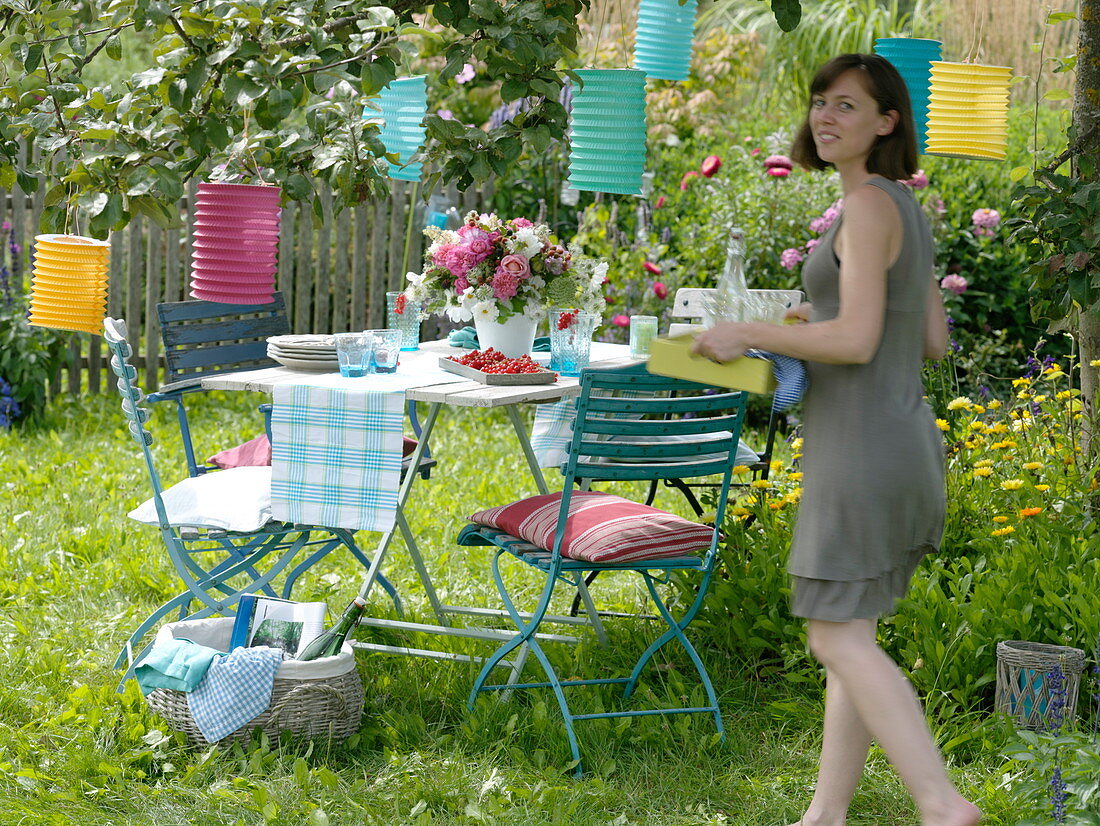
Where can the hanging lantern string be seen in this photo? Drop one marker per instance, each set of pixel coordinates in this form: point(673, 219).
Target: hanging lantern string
point(622, 34)
point(977, 28)
point(245, 150)
point(604, 8)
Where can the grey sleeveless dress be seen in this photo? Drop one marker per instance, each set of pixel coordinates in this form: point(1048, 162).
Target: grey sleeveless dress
point(873, 485)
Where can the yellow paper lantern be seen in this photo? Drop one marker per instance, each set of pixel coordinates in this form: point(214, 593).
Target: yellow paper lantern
point(69, 283)
point(968, 110)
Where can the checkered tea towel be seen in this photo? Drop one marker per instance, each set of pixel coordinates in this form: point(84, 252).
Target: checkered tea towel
point(336, 456)
point(236, 689)
point(790, 378)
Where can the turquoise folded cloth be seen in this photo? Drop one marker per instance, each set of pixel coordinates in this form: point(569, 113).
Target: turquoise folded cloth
point(179, 665)
point(466, 338)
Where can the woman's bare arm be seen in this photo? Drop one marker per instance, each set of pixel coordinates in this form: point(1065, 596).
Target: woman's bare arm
point(935, 323)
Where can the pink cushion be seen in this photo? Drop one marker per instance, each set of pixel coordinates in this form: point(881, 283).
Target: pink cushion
point(253, 453)
point(600, 527)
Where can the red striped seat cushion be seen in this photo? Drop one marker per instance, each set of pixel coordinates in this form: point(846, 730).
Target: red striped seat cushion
point(600, 527)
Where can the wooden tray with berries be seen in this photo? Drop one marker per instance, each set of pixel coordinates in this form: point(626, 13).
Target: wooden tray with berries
point(493, 367)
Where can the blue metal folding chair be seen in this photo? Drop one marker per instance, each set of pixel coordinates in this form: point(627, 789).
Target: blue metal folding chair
point(692, 412)
point(216, 565)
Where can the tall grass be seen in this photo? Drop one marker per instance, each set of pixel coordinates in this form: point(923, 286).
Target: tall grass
point(76, 576)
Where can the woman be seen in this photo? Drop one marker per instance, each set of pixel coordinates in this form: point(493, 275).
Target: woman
point(873, 501)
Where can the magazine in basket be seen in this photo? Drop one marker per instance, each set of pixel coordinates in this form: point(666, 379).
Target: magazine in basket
point(277, 623)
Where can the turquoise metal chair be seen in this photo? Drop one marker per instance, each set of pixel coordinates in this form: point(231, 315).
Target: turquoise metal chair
point(671, 406)
point(215, 565)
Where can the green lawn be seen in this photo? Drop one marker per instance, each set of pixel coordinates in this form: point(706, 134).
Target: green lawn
point(77, 575)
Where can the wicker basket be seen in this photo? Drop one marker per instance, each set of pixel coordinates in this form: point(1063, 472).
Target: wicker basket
point(320, 699)
point(1023, 689)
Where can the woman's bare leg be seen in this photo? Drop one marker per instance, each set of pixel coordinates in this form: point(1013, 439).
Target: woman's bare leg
point(886, 703)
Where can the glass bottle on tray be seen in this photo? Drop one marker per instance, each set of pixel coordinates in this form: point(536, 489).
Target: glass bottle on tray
point(731, 292)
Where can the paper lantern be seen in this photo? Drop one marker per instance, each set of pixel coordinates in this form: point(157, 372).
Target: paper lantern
point(968, 110)
point(608, 131)
point(404, 103)
point(662, 46)
point(913, 57)
point(69, 283)
point(235, 243)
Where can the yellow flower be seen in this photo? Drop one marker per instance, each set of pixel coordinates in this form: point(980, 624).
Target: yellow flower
point(741, 470)
point(1026, 512)
point(1007, 529)
point(983, 471)
point(970, 445)
point(1021, 381)
point(1000, 427)
point(1094, 363)
point(1002, 445)
point(1032, 465)
point(977, 408)
point(1062, 395)
point(797, 444)
point(1042, 488)
point(1012, 484)
point(793, 497)
point(776, 465)
point(1000, 518)
point(960, 401)
point(776, 505)
point(760, 484)
point(739, 511)
point(942, 424)
point(1023, 394)
point(993, 404)
point(1042, 397)
point(796, 476)
point(1054, 374)
point(978, 426)
point(984, 463)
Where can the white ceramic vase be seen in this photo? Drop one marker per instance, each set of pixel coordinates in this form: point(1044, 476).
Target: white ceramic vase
point(514, 336)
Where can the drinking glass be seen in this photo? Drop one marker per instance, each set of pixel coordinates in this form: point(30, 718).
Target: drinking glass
point(643, 329)
point(404, 315)
point(353, 352)
point(385, 349)
point(571, 339)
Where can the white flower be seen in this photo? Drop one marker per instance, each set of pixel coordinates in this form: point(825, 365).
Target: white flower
point(533, 308)
point(525, 242)
point(536, 282)
point(458, 313)
point(486, 311)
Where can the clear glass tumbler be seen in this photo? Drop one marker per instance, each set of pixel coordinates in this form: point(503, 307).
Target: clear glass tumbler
point(571, 339)
point(404, 315)
point(386, 348)
point(353, 352)
point(643, 329)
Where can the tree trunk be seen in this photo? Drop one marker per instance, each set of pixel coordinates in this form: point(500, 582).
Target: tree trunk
point(1086, 113)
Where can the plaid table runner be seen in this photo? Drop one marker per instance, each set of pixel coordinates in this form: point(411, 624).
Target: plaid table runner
point(336, 456)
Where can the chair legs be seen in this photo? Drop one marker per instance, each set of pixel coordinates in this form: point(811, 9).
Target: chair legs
point(527, 637)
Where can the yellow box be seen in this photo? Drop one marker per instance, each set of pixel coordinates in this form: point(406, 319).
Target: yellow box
point(673, 357)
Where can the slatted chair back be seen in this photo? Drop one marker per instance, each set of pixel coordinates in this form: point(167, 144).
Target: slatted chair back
point(641, 410)
point(205, 337)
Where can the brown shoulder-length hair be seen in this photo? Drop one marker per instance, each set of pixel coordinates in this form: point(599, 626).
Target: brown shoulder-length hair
point(893, 156)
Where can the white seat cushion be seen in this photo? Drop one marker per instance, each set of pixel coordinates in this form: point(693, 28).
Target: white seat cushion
point(745, 454)
point(237, 499)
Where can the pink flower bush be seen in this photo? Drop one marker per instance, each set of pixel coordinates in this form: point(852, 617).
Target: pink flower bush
point(790, 258)
point(660, 290)
point(918, 181)
point(812, 244)
point(985, 220)
point(954, 283)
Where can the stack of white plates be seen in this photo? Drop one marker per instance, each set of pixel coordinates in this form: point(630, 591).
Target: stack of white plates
point(304, 352)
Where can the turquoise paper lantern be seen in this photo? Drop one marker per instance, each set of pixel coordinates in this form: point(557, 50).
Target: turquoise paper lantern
point(662, 46)
point(607, 131)
point(404, 102)
point(913, 57)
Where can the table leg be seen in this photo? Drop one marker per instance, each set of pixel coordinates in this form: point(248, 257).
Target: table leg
point(528, 451)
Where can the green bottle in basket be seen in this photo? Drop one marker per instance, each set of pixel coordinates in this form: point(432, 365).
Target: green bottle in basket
point(330, 642)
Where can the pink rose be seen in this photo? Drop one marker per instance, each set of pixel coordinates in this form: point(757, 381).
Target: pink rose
point(515, 265)
point(711, 164)
point(650, 267)
point(621, 321)
point(954, 283)
point(684, 181)
point(660, 290)
point(985, 218)
point(505, 285)
point(462, 283)
point(520, 223)
point(790, 258)
point(439, 258)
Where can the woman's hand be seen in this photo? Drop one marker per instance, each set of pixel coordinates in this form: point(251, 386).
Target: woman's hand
point(723, 342)
point(800, 313)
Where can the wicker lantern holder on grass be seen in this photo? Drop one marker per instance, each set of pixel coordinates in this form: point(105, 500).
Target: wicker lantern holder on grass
point(1024, 684)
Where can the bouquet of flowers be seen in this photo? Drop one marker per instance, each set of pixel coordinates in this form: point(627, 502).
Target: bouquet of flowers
point(493, 269)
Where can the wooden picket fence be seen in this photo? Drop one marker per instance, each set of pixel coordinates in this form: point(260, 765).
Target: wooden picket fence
point(334, 273)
